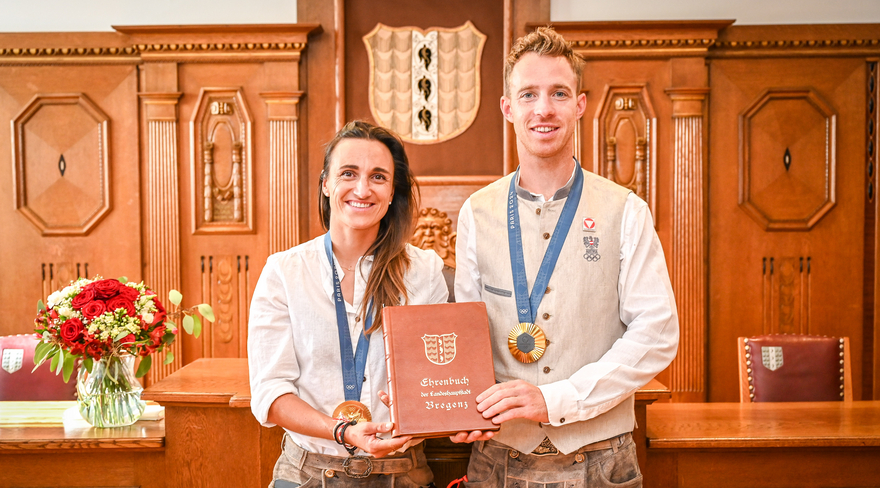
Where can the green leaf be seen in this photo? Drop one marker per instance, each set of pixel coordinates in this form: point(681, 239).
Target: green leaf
point(206, 311)
point(54, 364)
point(146, 362)
point(123, 279)
point(188, 323)
point(50, 353)
point(67, 368)
point(87, 363)
point(41, 306)
point(175, 297)
point(169, 357)
point(41, 351)
point(197, 327)
point(121, 335)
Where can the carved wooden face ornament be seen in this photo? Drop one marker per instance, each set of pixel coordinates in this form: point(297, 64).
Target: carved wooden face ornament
point(359, 184)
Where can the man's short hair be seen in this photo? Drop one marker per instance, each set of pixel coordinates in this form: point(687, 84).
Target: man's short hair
point(546, 42)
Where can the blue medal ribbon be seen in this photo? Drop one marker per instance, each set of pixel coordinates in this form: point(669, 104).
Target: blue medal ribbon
point(353, 364)
point(527, 304)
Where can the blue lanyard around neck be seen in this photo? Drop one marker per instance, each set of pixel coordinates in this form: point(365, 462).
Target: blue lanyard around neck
point(527, 304)
point(353, 365)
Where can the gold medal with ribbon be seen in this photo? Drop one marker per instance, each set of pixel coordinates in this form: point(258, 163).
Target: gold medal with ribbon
point(527, 342)
point(352, 410)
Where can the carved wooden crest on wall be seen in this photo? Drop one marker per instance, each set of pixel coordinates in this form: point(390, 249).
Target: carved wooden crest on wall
point(787, 159)
point(625, 131)
point(425, 84)
point(60, 164)
point(222, 162)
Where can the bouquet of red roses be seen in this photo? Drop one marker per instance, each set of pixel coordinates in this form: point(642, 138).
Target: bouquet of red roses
point(99, 318)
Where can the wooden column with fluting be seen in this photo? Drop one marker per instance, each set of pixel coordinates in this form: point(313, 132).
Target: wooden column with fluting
point(689, 242)
point(161, 207)
point(283, 112)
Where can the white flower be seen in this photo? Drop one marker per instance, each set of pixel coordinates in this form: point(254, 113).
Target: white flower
point(148, 317)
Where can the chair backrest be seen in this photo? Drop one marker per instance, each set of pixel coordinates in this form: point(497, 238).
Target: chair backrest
point(794, 368)
point(18, 383)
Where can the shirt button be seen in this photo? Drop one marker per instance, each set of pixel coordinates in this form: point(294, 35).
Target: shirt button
point(357, 319)
point(546, 369)
point(538, 211)
point(562, 420)
point(547, 290)
point(546, 235)
point(546, 316)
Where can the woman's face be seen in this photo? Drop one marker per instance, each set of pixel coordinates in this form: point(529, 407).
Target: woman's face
point(359, 184)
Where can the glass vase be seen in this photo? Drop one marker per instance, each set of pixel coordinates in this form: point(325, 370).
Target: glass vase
point(110, 396)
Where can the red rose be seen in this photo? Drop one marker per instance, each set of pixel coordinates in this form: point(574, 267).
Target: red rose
point(106, 288)
point(72, 330)
point(129, 339)
point(94, 309)
point(129, 293)
point(156, 335)
point(83, 297)
point(121, 302)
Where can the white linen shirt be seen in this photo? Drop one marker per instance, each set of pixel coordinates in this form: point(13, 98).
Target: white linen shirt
point(293, 344)
point(598, 387)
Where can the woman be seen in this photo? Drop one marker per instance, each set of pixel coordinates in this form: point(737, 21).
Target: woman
point(322, 386)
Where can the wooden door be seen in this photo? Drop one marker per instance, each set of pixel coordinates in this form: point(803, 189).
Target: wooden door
point(786, 202)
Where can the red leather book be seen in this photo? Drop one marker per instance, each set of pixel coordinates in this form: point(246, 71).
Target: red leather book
point(439, 359)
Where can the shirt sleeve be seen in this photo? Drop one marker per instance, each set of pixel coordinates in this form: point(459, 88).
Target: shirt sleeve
point(271, 357)
point(650, 342)
point(439, 290)
point(468, 283)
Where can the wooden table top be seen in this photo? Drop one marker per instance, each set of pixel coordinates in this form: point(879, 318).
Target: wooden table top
point(222, 381)
point(763, 425)
point(26, 426)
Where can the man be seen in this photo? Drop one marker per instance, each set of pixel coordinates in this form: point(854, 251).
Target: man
point(580, 305)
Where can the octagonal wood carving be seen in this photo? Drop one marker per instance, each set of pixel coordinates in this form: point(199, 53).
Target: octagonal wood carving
point(60, 164)
point(787, 159)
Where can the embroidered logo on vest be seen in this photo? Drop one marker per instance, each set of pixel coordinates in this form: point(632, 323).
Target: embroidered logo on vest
point(592, 245)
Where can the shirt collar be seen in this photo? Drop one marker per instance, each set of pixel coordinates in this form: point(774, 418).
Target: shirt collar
point(537, 197)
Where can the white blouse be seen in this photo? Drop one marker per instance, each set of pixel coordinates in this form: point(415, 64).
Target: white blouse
point(293, 344)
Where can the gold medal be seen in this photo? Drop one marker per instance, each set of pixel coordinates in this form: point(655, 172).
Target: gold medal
point(352, 410)
point(526, 342)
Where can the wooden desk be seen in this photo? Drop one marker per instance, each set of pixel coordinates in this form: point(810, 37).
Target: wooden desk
point(208, 412)
point(211, 437)
point(763, 444)
point(38, 449)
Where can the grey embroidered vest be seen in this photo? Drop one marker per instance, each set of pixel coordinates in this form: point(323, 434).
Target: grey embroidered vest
point(580, 310)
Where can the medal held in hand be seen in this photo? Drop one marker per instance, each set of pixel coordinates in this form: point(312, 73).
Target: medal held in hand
point(353, 410)
point(353, 363)
point(526, 341)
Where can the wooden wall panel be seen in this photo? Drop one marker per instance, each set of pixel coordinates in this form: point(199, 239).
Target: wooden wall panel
point(127, 189)
point(806, 277)
point(105, 242)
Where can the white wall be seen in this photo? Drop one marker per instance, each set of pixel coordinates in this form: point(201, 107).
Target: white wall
point(743, 11)
point(99, 15)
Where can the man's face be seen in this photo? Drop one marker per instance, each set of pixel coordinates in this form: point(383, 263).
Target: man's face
point(543, 105)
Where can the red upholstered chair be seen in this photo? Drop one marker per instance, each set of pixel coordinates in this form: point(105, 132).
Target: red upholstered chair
point(794, 368)
point(17, 383)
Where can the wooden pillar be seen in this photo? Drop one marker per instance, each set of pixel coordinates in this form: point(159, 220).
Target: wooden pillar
point(689, 243)
point(283, 113)
point(160, 176)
